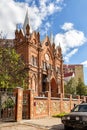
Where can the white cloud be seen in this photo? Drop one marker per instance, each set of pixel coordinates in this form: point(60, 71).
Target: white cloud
point(67, 26)
point(84, 63)
point(51, 8)
point(69, 55)
point(13, 12)
point(70, 39)
point(46, 26)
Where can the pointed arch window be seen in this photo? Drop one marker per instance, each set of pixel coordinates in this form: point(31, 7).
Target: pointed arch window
point(58, 70)
point(34, 60)
point(34, 81)
point(44, 65)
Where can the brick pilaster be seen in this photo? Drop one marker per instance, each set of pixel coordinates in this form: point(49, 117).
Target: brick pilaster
point(19, 99)
point(31, 104)
point(49, 103)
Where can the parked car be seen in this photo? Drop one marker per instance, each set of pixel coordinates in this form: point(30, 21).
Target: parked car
point(77, 118)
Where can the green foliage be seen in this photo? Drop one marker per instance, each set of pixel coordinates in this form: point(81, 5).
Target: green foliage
point(70, 87)
point(75, 87)
point(12, 72)
point(8, 104)
point(81, 88)
point(60, 115)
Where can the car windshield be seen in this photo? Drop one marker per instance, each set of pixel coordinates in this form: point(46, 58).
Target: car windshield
point(80, 108)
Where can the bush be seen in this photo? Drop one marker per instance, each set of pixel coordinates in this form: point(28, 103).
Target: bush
point(60, 115)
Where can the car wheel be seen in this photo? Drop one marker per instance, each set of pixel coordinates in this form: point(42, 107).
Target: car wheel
point(85, 128)
point(67, 127)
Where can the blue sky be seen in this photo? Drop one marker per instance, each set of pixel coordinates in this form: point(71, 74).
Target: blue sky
point(66, 19)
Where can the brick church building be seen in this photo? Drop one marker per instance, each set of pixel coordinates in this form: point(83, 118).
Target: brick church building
point(43, 60)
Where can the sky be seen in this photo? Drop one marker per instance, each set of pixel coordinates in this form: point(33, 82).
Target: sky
point(65, 19)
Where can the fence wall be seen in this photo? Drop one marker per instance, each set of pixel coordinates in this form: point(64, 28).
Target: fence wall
point(29, 106)
point(48, 106)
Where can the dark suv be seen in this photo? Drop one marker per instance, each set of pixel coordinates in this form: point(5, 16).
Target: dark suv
point(77, 118)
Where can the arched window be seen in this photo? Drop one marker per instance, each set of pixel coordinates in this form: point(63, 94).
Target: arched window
point(34, 61)
point(34, 80)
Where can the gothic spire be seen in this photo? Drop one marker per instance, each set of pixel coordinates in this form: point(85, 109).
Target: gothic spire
point(59, 48)
point(26, 22)
point(51, 38)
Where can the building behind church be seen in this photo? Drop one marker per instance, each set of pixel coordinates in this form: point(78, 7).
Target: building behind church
point(73, 71)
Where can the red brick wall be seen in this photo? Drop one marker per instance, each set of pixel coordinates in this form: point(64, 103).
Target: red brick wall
point(44, 106)
point(48, 106)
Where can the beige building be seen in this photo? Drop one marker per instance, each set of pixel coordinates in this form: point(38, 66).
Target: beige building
point(73, 70)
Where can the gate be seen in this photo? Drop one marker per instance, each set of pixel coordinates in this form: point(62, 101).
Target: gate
point(7, 105)
point(26, 105)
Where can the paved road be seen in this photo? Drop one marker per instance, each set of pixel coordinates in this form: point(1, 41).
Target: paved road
point(37, 124)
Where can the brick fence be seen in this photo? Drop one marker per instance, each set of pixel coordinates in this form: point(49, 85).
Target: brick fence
point(48, 106)
point(45, 105)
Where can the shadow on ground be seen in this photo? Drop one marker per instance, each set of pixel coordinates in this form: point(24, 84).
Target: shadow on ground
point(57, 127)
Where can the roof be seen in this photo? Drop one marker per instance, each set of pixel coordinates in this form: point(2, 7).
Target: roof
point(6, 42)
point(71, 66)
point(69, 74)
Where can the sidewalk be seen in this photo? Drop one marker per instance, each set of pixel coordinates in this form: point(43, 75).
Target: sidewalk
point(48, 123)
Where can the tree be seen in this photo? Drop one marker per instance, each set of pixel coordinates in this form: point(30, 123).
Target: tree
point(12, 72)
point(70, 87)
point(81, 88)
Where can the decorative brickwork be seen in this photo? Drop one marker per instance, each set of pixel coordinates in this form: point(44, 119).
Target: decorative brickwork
point(48, 106)
point(45, 106)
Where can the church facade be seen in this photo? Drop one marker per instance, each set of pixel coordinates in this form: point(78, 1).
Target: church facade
point(43, 60)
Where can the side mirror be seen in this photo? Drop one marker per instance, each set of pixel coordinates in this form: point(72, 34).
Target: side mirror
point(73, 107)
point(74, 104)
